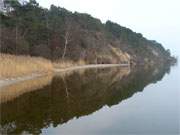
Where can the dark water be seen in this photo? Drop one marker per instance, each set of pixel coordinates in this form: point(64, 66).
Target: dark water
point(99, 101)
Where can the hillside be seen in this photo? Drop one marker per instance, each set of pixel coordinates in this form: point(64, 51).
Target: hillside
point(58, 34)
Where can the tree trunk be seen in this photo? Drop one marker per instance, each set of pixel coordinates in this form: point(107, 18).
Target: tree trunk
point(65, 47)
point(65, 44)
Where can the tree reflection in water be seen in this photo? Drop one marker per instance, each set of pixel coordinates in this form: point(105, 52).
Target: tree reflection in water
point(74, 94)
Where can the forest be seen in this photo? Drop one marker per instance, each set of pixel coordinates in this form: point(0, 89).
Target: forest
point(56, 33)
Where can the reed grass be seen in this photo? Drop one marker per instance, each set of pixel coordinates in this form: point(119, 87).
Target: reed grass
point(12, 66)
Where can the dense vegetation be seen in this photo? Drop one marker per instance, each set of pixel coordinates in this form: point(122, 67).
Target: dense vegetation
point(56, 33)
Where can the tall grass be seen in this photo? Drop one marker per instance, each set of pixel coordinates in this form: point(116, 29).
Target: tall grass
point(12, 66)
point(15, 66)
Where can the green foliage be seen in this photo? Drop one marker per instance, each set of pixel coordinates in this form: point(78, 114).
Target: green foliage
point(29, 24)
point(123, 33)
point(87, 21)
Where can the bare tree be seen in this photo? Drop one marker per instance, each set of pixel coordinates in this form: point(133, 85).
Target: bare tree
point(67, 38)
point(71, 32)
point(67, 35)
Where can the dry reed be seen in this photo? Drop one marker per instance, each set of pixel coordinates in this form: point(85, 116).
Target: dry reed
point(12, 66)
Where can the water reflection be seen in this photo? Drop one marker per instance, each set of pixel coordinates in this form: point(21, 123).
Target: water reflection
point(73, 94)
point(13, 91)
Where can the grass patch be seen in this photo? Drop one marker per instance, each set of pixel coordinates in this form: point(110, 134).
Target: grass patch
point(16, 66)
point(12, 66)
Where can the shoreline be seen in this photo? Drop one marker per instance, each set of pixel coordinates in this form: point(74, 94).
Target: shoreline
point(90, 66)
point(9, 81)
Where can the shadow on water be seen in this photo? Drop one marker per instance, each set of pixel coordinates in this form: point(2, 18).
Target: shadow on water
point(72, 94)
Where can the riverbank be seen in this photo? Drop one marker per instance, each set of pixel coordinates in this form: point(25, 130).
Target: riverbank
point(90, 66)
point(9, 81)
point(15, 69)
point(23, 85)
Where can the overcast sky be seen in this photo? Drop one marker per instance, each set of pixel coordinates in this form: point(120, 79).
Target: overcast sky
point(155, 19)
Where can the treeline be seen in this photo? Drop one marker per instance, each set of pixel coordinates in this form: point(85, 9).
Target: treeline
point(56, 33)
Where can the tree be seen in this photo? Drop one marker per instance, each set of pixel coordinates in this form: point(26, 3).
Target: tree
point(168, 52)
point(67, 39)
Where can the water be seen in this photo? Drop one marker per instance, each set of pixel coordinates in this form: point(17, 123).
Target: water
point(96, 101)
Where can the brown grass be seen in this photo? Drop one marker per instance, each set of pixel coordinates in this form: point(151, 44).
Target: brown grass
point(12, 66)
point(16, 66)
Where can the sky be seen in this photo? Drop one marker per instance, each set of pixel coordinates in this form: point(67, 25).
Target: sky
point(156, 19)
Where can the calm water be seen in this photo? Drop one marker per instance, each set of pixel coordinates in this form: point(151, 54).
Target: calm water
point(96, 102)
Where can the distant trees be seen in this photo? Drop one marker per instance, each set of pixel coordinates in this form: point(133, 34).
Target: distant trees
point(27, 21)
point(168, 52)
point(123, 34)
